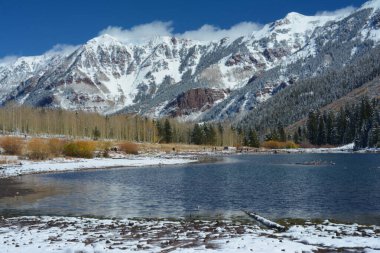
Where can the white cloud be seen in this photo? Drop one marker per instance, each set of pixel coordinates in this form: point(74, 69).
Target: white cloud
point(340, 12)
point(139, 33)
point(8, 60)
point(64, 49)
point(144, 32)
point(210, 32)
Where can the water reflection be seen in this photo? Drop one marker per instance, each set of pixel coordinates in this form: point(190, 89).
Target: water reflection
point(276, 186)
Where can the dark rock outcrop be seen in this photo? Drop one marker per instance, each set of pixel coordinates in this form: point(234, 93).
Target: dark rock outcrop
point(194, 100)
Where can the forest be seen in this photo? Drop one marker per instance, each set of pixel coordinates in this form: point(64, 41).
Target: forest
point(358, 123)
point(129, 127)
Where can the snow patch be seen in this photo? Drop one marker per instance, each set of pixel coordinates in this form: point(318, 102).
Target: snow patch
point(63, 164)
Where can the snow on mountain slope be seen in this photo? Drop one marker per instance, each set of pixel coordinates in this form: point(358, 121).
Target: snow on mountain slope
point(108, 76)
point(329, 47)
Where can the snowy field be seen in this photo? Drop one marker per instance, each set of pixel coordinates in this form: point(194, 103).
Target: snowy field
point(69, 235)
point(23, 167)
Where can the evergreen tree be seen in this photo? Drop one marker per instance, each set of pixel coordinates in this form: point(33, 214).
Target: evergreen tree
point(253, 139)
point(168, 132)
point(296, 137)
point(96, 133)
point(312, 128)
point(321, 132)
point(197, 135)
point(212, 135)
point(358, 123)
point(221, 131)
point(160, 131)
point(300, 133)
point(330, 128)
point(341, 126)
point(281, 133)
point(374, 136)
point(209, 134)
point(275, 135)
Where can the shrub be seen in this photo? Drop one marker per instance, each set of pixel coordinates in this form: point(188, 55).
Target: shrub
point(129, 148)
point(290, 145)
point(38, 149)
point(104, 145)
point(83, 149)
point(271, 144)
point(279, 145)
point(12, 145)
point(56, 146)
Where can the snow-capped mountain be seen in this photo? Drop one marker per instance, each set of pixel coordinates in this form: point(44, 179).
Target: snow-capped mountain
point(227, 78)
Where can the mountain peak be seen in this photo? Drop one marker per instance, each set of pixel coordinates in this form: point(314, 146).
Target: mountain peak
point(105, 39)
point(294, 15)
point(375, 4)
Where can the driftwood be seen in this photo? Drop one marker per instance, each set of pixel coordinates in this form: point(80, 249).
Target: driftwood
point(266, 222)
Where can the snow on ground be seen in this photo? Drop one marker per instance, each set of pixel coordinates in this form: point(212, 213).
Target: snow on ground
point(343, 149)
point(65, 164)
point(69, 235)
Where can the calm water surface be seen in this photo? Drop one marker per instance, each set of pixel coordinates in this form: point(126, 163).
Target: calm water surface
point(276, 186)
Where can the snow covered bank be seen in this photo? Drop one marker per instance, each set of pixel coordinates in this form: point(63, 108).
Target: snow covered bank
point(349, 148)
point(69, 235)
point(63, 164)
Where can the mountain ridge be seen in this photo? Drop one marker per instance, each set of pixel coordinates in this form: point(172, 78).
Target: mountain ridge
point(108, 76)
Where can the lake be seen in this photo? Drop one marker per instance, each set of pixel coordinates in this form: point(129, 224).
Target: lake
point(345, 187)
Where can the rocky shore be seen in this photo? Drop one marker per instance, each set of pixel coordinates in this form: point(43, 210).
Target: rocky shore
point(66, 234)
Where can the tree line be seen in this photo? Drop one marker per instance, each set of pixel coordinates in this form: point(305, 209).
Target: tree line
point(58, 122)
point(358, 123)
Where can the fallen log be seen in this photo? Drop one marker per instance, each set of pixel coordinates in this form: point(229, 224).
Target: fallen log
point(266, 222)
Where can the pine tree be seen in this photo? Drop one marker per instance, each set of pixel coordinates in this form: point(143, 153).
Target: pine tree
point(281, 133)
point(96, 133)
point(168, 132)
point(211, 135)
point(330, 128)
point(197, 135)
point(341, 126)
point(374, 136)
point(253, 139)
point(321, 132)
point(312, 128)
point(221, 132)
point(300, 134)
point(296, 137)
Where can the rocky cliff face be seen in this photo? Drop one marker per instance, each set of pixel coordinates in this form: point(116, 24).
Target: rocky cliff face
point(161, 77)
point(195, 100)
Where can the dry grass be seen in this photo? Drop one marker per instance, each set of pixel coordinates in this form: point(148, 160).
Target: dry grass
point(104, 145)
point(38, 149)
point(154, 147)
point(279, 145)
point(83, 149)
point(104, 148)
point(56, 146)
point(12, 145)
point(8, 160)
point(129, 148)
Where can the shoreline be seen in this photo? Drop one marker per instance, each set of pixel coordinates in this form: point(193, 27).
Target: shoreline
point(27, 167)
point(20, 167)
point(53, 234)
point(77, 234)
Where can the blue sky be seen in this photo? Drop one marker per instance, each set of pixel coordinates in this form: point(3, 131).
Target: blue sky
point(32, 27)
